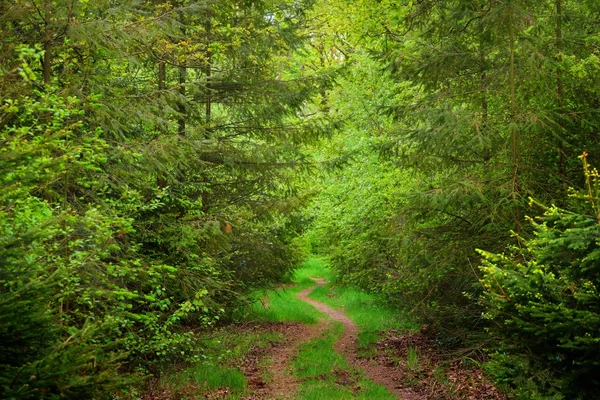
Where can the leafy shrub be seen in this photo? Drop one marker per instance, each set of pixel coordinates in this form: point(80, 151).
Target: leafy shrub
point(543, 296)
point(45, 351)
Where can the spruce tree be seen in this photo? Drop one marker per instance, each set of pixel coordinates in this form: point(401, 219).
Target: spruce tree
point(167, 140)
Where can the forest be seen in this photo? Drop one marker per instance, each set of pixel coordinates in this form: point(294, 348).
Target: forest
point(174, 172)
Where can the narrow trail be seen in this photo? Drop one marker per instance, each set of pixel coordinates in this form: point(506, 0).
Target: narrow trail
point(281, 384)
point(382, 374)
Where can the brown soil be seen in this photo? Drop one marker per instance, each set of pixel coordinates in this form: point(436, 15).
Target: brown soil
point(269, 374)
point(277, 382)
point(462, 380)
point(381, 373)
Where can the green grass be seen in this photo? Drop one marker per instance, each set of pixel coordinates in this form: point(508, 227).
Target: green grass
point(323, 373)
point(208, 377)
point(412, 360)
point(317, 357)
point(282, 305)
point(366, 310)
point(314, 267)
point(326, 375)
point(223, 352)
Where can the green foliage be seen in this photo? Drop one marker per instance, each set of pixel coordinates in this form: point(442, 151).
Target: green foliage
point(386, 228)
point(46, 352)
point(318, 365)
point(544, 299)
point(147, 161)
point(453, 115)
point(150, 155)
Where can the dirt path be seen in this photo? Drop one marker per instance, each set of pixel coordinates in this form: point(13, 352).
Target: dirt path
point(381, 374)
point(281, 383)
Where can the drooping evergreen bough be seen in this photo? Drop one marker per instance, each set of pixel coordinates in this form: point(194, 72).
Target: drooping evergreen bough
point(543, 298)
point(147, 154)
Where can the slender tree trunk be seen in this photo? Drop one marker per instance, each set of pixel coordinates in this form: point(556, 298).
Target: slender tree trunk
point(208, 105)
point(182, 82)
point(208, 73)
point(514, 129)
point(561, 96)
point(161, 181)
point(181, 107)
point(208, 97)
point(162, 75)
point(487, 154)
point(208, 111)
point(47, 60)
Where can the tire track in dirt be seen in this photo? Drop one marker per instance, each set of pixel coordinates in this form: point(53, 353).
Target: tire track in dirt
point(281, 384)
point(382, 374)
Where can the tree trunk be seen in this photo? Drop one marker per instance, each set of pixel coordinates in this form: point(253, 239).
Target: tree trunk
point(47, 60)
point(208, 105)
point(208, 73)
point(487, 154)
point(514, 128)
point(161, 181)
point(162, 75)
point(561, 97)
point(182, 82)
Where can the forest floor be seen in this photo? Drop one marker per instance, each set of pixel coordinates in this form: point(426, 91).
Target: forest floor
point(349, 348)
point(382, 373)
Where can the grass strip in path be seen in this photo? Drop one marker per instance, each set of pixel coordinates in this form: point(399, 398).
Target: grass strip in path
point(320, 371)
point(326, 375)
point(346, 345)
point(369, 313)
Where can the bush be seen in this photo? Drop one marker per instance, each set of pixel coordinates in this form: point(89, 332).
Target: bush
point(543, 296)
point(46, 351)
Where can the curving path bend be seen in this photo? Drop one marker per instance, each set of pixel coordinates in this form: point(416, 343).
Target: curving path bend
point(382, 374)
